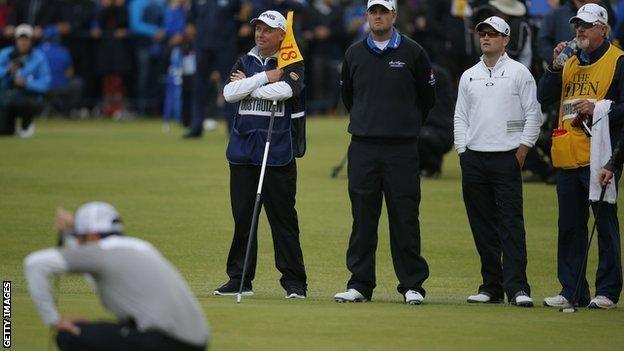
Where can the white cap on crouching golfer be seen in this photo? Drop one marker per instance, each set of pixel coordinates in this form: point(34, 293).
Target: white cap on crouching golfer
point(272, 19)
point(389, 4)
point(497, 23)
point(97, 217)
point(591, 13)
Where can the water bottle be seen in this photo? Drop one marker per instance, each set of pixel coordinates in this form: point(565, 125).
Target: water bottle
point(566, 53)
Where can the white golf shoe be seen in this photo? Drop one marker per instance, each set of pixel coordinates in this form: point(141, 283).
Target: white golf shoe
point(413, 297)
point(601, 302)
point(351, 295)
point(522, 299)
point(556, 301)
point(28, 132)
point(210, 124)
point(481, 298)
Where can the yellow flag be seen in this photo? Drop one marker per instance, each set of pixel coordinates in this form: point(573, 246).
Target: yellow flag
point(460, 8)
point(289, 51)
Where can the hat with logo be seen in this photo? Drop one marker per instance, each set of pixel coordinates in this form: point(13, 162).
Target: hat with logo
point(497, 23)
point(591, 13)
point(97, 217)
point(389, 4)
point(24, 30)
point(272, 19)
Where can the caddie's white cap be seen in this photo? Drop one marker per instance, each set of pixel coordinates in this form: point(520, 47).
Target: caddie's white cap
point(497, 23)
point(24, 30)
point(389, 4)
point(97, 217)
point(272, 19)
point(591, 13)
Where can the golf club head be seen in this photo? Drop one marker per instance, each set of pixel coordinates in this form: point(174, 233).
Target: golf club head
point(570, 309)
point(239, 298)
point(335, 171)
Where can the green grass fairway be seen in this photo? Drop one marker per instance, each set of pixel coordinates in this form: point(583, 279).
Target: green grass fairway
point(175, 193)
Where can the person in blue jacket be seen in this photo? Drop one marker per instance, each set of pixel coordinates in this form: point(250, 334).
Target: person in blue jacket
point(255, 83)
point(24, 78)
point(147, 27)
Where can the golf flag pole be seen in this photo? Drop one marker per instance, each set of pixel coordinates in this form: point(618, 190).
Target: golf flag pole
point(288, 54)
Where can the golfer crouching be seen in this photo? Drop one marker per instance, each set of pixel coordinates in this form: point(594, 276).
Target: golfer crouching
point(154, 306)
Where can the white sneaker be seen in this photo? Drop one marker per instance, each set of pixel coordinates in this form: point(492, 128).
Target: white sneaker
point(209, 124)
point(479, 298)
point(295, 296)
point(556, 301)
point(295, 293)
point(351, 295)
point(522, 299)
point(28, 132)
point(413, 297)
point(601, 302)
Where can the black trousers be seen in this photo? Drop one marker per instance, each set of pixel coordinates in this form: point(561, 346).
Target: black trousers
point(492, 187)
point(391, 171)
point(573, 194)
point(104, 336)
point(278, 199)
point(18, 104)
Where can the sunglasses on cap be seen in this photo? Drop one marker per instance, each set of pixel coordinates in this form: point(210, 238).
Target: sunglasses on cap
point(490, 34)
point(583, 24)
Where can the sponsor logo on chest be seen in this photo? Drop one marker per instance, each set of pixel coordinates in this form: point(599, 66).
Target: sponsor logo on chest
point(396, 64)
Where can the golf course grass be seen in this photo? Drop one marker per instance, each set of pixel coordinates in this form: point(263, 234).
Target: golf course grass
point(175, 194)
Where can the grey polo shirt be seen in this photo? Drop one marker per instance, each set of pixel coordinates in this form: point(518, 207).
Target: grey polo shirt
point(133, 280)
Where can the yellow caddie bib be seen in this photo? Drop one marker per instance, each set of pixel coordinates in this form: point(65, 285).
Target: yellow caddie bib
point(571, 148)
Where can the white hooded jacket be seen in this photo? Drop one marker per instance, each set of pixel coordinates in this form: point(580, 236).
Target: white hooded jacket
point(497, 108)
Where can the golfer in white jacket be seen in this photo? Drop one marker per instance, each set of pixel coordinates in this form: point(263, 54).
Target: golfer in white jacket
point(497, 119)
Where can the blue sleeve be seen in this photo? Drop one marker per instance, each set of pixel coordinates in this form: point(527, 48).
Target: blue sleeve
point(4, 61)
point(174, 22)
point(68, 58)
point(549, 87)
point(169, 22)
point(37, 72)
point(137, 25)
point(619, 14)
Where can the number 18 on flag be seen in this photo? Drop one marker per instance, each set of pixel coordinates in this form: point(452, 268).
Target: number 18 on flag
point(289, 51)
